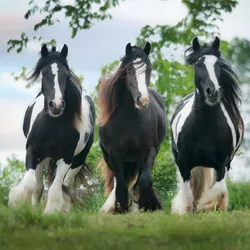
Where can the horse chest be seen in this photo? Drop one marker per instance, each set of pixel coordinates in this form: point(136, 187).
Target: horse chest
point(205, 137)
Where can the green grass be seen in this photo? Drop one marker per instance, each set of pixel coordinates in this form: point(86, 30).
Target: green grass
point(84, 228)
point(27, 229)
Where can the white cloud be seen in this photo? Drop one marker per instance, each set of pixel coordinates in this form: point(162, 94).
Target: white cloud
point(150, 12)
point(7, 80)
point(12, 139)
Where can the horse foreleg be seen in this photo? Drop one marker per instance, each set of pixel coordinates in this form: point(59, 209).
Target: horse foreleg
point(57, 200)
point(22, 192)
point(216, 197)
point(147, 196)
point(109, 205)
point(37, 193)
point(183, 201)
point(121, 191)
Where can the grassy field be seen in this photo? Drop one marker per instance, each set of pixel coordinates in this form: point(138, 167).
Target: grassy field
point(26, 228)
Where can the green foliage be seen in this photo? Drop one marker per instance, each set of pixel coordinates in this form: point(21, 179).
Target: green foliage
point(239, 55)
point(239, 196)
point(164, 174)
point(9, 175)
point(81, 16)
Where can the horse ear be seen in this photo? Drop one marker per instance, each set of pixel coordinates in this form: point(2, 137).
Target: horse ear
point(64, 51)
point(147, 48)
point(128, 49)
point(195, 44)
point(216, 43)
point(44, 50)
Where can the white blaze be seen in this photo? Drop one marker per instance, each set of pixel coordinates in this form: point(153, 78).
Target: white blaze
point(209, 63)
point(58, 93)
point(140, 72)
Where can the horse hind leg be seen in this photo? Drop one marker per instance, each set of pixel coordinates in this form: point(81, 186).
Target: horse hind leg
point(215, 197)
point(148, 200)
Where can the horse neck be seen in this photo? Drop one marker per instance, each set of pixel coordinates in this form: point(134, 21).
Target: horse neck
point(122, 95)
point(73, 99)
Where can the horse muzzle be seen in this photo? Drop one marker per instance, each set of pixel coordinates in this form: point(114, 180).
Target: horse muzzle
point(56, 109)
point(142, 102)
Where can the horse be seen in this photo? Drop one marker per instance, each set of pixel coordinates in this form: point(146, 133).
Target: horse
point(206, 131)
point(59, 128)
point(132, 126)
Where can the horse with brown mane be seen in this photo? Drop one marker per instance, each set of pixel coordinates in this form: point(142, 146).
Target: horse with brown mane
point(132, 126)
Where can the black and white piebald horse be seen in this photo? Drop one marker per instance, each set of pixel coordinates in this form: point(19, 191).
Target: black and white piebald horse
point(131, 129)
point(206, 130)
point(59, 127)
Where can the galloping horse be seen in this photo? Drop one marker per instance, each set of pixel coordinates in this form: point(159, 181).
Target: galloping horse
point(131, 129)
point(59, 127)
point(206, 130)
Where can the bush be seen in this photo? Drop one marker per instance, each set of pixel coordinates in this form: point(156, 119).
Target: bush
point(164, 174)
point(10, 175)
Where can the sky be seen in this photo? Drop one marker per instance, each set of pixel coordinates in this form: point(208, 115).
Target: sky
point(88, 52)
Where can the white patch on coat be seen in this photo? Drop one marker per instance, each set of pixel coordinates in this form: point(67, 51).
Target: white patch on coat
point(69, 179)
point(22, 192)
point(140, 73)
point(57, 200)
point(58, 93)
point(83, 126)
point(181, 117)
point(230, 124)
point(209, 62)
point(38, 107)
point(183, 202)
point(109, 205)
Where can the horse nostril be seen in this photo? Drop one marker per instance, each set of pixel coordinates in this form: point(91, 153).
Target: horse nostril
point(62, 104)
point(208, 91)
point(51, 104)
point(138, 99)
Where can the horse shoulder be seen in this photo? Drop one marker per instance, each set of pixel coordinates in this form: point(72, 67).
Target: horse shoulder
point(86, 124)
point(237, 128)
point(182, 112)
point(32, 112)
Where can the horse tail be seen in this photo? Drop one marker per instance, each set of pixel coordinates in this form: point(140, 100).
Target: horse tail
point(201, 179)
point(107, 176)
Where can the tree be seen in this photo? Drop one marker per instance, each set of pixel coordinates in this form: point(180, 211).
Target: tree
point(83, 14)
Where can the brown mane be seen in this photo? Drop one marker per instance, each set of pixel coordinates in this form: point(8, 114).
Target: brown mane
point(106, 100)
